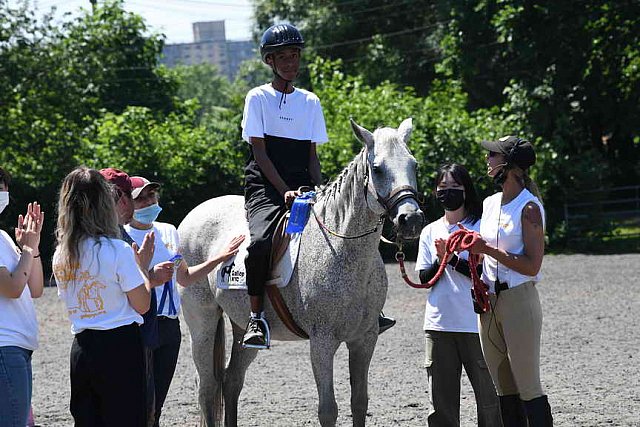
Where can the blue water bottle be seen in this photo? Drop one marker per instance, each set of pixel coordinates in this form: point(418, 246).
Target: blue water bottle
point(300, 211)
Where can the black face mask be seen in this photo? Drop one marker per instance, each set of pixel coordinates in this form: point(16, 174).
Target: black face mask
point(451, 199)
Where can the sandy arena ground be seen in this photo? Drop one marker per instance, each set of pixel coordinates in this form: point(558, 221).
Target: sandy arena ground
point(589, 362)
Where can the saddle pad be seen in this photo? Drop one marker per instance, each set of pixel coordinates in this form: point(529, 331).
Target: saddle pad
point(232, 273)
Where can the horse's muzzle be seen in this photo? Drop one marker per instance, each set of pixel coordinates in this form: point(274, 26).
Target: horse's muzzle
point(409, 224)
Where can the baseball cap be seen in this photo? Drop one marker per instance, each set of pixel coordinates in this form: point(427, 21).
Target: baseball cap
point(139, 183)
point(518, 151)
point(118, 178)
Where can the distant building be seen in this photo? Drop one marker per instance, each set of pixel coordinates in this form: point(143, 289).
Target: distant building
point(210, 46)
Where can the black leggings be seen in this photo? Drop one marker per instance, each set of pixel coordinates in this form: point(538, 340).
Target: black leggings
point(165, 359)
point(107, 378)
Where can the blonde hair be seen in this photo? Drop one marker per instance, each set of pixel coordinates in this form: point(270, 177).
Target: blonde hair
point(86, 208)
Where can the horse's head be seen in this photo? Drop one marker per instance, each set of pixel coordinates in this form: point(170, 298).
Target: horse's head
point(391, 177)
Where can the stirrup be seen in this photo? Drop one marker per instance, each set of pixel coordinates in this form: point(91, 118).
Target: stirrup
point(267, 335)
point(385, 323)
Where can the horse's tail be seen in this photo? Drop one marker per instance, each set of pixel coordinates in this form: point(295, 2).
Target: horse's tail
point(218, 370)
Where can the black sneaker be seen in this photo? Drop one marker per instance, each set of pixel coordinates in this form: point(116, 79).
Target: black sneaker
point(385, 323)
point(257, 334)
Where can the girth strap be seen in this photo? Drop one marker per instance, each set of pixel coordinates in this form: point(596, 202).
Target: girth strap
point(283, 312)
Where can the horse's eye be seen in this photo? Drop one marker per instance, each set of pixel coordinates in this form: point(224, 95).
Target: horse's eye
point(376, 168)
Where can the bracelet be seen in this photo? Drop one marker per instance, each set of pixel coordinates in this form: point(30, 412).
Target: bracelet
point(37, 256)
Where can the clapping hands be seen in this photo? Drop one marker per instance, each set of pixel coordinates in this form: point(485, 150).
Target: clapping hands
point(29, 228)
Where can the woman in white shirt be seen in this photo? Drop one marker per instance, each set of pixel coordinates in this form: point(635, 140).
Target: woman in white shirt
point(512, 229)
point(20, 281)
point(450, 324)
point(105, 293)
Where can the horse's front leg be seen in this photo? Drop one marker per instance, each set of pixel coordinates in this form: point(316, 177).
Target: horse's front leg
point(360, 354)
point(323, 349)
point(234, 376)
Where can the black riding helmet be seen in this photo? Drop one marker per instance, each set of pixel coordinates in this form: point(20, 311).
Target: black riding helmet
point(278, 37)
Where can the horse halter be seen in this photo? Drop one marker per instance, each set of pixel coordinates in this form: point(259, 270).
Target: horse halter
point(394, 198)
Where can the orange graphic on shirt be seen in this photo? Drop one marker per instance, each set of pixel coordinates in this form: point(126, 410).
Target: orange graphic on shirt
point(90, 301)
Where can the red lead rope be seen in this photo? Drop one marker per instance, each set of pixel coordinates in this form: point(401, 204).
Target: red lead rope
point(460, 240)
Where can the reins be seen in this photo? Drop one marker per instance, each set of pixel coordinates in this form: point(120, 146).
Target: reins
point(344, 236)
point(461, 240)
point(388, 203)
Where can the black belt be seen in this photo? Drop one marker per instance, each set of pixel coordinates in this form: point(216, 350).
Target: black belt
point(501, 286)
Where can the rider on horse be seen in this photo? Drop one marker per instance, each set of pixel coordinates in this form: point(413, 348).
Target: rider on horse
point(282, 124)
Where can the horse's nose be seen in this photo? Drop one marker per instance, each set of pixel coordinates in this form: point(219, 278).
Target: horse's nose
point(410, 224)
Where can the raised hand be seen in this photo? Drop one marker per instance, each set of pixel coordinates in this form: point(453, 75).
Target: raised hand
point(29, 228)
point(144, 254)
point(231, 249)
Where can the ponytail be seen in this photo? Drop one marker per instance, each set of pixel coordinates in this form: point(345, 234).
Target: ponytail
point(530, 185)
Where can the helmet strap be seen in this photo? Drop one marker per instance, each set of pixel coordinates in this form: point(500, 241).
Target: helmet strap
point(283, 96)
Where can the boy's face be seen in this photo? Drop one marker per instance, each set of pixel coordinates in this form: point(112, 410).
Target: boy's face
point(286, 62)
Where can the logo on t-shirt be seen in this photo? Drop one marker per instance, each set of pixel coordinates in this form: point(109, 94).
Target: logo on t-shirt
point(90, 302)
point(285, 118)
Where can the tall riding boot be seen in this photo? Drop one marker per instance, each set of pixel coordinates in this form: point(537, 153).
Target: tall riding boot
point(539, 412)
point(512, 410)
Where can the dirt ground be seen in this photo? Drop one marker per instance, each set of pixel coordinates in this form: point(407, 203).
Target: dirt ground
point(589, 361)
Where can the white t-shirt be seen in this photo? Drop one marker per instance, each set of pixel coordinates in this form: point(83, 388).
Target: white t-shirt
point(300, 118)
point(449, 307)
point(509, 239)
point(166, 246)
point(95, 291)
point(18, 323)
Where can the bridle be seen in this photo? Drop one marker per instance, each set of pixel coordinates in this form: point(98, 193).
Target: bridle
point(394, 198)
point(388, 203)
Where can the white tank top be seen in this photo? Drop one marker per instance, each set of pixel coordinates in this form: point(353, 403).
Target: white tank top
point(508, 236)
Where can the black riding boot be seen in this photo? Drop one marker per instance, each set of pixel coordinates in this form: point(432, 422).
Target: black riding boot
point(539, 412)
point(512, 411)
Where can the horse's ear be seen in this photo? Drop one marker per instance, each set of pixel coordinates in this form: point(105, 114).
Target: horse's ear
point(362, 134)
point(404, 130)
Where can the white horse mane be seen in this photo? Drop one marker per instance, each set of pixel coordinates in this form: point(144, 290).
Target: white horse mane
point(348, 185)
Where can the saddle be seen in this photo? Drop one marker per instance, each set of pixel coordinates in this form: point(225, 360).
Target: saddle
point(284, 253)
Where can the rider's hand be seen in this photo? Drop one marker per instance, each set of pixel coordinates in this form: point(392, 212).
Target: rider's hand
point(290, 196)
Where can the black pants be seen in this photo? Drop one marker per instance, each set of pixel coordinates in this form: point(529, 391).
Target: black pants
point(265, 208)
point(107, 378)
point(165, 359)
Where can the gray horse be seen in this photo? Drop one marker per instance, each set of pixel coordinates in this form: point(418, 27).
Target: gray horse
point(338, 286)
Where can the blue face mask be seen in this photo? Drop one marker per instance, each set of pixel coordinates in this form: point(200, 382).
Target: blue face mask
point(147, 215)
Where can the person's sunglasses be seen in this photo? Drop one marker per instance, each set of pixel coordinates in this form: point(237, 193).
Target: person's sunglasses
point(492, 154)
